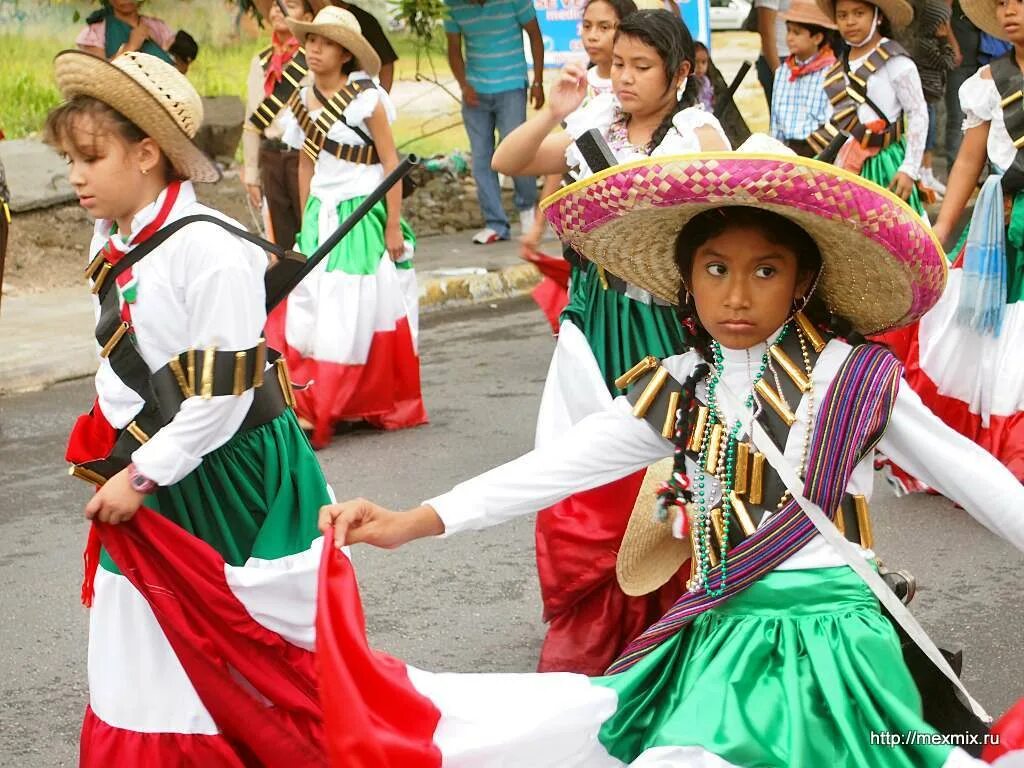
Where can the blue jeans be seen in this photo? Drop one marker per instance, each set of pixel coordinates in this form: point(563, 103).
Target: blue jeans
point(502, 112)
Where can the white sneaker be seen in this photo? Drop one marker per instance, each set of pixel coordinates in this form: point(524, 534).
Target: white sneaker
point(527, 218)
point(486, 236)
point(929, 180)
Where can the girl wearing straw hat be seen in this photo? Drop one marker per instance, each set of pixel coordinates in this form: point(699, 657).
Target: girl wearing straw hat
point(183, 398)
point(350, 328)
point(778, 654)
point(607, 325)
point(963, 358)
point(876, 95)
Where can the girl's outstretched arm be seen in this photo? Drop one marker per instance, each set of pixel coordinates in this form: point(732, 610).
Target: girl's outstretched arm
point(963, 179)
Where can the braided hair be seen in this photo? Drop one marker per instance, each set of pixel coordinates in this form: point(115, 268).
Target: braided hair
point(699, 230)
point(667, 34)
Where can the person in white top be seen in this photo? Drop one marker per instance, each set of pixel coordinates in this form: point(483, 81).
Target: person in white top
point(349, 331)
point(189, 422)
point(778, 653)
point(888, 122)
point(963, 358)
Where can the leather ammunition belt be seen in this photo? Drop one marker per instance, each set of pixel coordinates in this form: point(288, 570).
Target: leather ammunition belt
point(291, 79)
point(1010, 84)
point(334, 111)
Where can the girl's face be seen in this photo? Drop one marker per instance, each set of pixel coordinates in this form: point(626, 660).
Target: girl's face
point(700, 62)
point(325, 57)
point(744, 286)
point(801, 42)
point(854, 19)
point(1010, 14)
point(638, 78)
point(105, 170)
point(296, 12)
point(598, 32)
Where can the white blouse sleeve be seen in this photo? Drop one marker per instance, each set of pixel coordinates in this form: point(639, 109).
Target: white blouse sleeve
point(362, 106)
point(683, 138)
point(603, 447)
point(962, 471)
point(226, 310)
point(906, 83)
point(291, 132)
point(979, 99)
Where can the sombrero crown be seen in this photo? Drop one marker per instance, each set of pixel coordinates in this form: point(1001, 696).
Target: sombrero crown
point(881, 265)
point(899, 12)
point(149, 92)
point(342, 27)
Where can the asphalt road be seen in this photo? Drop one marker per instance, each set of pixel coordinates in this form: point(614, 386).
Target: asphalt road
point(467, 603)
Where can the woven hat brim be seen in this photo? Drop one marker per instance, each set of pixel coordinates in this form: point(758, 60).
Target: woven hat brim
point(882, 267)
point(348, 39)
point(899, 12)
point(808, 16)
point(982, 14)
point(649, 554)
point(81, 74)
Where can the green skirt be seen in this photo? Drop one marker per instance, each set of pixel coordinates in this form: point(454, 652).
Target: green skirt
point(797, 670)
point(258, 495)
point(360, 251)
point(881, 169)
point(621, 331)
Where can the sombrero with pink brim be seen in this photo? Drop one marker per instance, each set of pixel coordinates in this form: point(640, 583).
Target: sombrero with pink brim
point(881, 265)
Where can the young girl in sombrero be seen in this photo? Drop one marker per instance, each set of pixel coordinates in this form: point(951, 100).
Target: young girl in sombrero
point(778, 653)
point(350, 331)
point(189, 422)
point(876, 97)
point(607, 326)
point(964, 357)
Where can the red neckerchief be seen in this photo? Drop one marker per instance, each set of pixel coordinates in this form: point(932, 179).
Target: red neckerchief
point(284, 50)
point(823, 60)
point(126, 283)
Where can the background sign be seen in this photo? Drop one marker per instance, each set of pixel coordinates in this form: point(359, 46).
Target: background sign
point(560, 25)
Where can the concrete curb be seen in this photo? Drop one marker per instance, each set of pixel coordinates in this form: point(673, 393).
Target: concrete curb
point(441, 293)
point(47, 354)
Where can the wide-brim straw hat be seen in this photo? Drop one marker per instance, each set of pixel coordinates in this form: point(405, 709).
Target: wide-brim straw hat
point(881, 265)
point(263, 6)
point(649, 554)
point(899, 12)
point(982, 14)
point(342, 27)
point(149, 92)
point(808, 12)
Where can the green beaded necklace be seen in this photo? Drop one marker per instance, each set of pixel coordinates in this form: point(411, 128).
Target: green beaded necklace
point(724, 470)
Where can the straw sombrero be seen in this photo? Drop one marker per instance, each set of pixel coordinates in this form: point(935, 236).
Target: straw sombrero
point(808, 12)
point(899, 12)
point(982, 14)
point(263, 6)
point(881, 265)
point(341, 26)
point(649, 554)
point(149, 92)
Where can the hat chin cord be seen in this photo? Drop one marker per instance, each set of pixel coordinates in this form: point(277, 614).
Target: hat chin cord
point(874, 28)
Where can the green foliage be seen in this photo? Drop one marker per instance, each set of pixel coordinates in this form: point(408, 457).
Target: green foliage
point(422, 18)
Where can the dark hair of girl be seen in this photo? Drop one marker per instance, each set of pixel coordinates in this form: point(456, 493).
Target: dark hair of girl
point(699, 230)
point(828, 36)
point(622, 8)
point(64, 128)
point(667, 34)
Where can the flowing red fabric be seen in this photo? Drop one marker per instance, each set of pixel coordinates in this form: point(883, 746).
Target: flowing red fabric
point(373, 716)
point(260, 689)
point(552, 293)
point(1010, 728)
point(825, 59)
point(590, 619)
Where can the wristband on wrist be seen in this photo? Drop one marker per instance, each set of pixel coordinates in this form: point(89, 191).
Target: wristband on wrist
point(140, 482)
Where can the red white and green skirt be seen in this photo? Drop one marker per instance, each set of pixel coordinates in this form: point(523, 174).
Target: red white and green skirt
point(349, 331)
point(156, 673)
point(973, 380)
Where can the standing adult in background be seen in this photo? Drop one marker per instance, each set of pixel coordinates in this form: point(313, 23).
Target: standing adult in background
point(271, 168)
point(771, 26)
point(118, 27)
point(492, 77)
point(374, 34)
point(968, 38)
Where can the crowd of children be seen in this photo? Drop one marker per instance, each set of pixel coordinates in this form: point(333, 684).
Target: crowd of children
point(747, 332)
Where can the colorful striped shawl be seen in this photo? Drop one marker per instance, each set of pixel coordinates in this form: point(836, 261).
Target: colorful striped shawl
point(853, 417)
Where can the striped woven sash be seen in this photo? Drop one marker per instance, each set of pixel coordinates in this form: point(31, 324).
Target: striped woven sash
point(852, 419)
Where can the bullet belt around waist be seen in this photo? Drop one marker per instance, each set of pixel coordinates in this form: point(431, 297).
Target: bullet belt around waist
point(275, 145)
point(882, 140)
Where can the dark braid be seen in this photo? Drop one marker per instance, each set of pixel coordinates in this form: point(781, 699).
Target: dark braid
point(667, 34)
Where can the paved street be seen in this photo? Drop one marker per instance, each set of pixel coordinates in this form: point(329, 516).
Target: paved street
point(469, 603)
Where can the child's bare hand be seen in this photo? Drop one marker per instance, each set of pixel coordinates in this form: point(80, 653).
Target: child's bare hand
point(361, 521)
point(116, 502)
point(568, 92)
